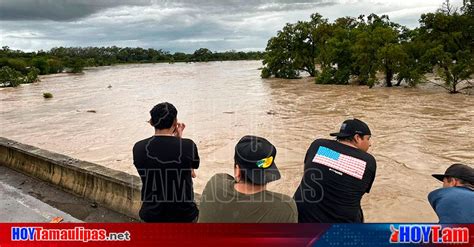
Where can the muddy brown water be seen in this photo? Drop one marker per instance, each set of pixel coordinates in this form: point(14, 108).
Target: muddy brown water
point(416, 132)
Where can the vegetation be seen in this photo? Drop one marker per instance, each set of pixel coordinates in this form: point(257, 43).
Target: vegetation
point(358, 50)
point(47, 95)
point(12, 78)
point(19, 67)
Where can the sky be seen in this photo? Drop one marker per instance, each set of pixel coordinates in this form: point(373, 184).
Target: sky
point(179, 25)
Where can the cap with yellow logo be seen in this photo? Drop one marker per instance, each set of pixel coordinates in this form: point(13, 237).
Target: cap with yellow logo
point(256, 155)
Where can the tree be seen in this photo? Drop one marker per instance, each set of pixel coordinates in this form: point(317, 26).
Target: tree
point(10, 77)
point(293, 49)
point(202, 55)
point(18, 64)
point(76, 65)
point(55, 65)
point(41, 64)
point(278, 60)
point(450, 38)
point(391, 58)
point(32, 76)
point(376, 49)
point(335, 55)
point(412, 65)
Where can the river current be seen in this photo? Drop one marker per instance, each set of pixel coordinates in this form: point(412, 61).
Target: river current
point(98, 116)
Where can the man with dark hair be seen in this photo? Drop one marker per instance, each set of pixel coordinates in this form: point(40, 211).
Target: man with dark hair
point(244, 197)
point(454, 203)
point(166, 164)
point(337, 173)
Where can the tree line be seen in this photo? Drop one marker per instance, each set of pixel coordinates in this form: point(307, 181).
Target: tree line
point(18, 67)
point(357, 50)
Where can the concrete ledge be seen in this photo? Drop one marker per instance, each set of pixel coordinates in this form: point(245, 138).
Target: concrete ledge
point(116, 190)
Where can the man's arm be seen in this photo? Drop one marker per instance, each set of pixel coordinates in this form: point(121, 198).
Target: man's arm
point(373, 177)
point(195, 157)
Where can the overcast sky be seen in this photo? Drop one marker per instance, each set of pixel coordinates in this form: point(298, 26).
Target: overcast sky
point(178, 25)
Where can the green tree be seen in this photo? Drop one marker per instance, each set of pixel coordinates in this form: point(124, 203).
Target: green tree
point(413, 64)
point(76, 65)
point(10, 77)
point(278, 60)
point(55, 65)
point(41, 64)
point(450, 37)
point(375, 49)
point(18, 64)
point(293, 49)
point(32, 76)
point(202, 55)
point(335, 54)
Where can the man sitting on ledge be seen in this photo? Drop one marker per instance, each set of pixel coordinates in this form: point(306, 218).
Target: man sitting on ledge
point(451, 203)
point(165, 163)
point(244, 198)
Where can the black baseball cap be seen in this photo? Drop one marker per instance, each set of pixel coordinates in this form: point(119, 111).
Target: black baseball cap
point(460, 171)
point(256, 155)
point(351, 127)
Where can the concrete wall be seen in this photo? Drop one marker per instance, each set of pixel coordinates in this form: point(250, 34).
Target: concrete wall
point(116, 190)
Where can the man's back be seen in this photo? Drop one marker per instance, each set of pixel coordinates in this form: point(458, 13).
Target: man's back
point(220, 202)
point(164, 164)
point(336, 176)
point(453, 204)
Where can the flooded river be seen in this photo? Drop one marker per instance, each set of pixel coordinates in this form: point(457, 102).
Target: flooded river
point(416, 132)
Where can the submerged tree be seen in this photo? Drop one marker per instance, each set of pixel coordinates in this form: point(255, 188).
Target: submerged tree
point(377, 48)
point(450, 37)
point(293, 49)
point(10, 77)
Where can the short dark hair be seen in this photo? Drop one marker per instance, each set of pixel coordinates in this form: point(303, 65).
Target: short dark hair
point(163, 115)
point(347, 138)
point(243, 174)
point(461, 181)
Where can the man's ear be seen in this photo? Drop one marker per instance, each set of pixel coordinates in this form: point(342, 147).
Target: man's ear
point(457, 182)
point(151, 122)
point(237, 173)
point(358, 138)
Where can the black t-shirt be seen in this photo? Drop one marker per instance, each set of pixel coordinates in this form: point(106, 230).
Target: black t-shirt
point(336, 176)
point(164, 164)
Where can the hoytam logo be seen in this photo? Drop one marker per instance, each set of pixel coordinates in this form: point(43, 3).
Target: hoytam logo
point(429, 234)
point(74, 234)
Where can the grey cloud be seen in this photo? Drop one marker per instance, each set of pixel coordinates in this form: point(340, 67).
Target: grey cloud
point(58, 10)
point(67, 10)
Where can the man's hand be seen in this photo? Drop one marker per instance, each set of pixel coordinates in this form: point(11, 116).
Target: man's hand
point(179, 129)
point(193, 174)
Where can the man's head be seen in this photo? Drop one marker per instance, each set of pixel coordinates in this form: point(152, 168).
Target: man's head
point(255, 161)
point(457, 175)
point(356, 132)
point(163, 116)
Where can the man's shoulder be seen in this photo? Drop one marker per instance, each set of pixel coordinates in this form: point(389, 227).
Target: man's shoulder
point(323, 141)
point(281, 199)
point(343, 148)
point(221, 177)
point(218, 182)
point(451, 195)
point(187, 141)
point(141, 143)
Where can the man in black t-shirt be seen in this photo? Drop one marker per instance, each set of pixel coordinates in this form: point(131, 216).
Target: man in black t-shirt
point(166, 164)
point(337, 173)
